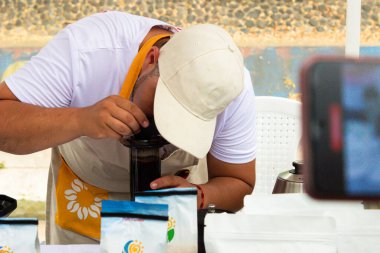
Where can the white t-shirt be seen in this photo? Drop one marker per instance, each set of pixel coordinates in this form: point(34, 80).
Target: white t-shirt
point(88, 61)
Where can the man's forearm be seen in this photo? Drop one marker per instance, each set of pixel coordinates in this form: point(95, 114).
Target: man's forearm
point(27, 128)
point(226, 193)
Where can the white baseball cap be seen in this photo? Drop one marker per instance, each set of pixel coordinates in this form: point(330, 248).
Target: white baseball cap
point(201, 72)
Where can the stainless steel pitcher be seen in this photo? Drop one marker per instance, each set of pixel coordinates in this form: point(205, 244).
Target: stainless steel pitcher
point(290, 181)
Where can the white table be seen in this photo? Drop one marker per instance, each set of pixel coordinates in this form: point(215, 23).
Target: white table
point(70, 248)
point(357, 230)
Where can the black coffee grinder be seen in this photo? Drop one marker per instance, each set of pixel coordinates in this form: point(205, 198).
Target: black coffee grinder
point(145, 160)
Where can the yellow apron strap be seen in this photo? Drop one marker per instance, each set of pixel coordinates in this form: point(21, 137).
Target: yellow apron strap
point(136, 66)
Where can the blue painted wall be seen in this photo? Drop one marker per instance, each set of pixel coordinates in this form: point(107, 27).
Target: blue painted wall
point(274, 70)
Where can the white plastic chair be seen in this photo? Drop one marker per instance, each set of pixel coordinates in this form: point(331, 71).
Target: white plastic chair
point(278, 126)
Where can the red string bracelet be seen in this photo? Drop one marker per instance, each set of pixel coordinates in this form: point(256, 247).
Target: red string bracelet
point(202, 196)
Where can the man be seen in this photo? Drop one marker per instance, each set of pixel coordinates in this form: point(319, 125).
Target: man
point(67, 98)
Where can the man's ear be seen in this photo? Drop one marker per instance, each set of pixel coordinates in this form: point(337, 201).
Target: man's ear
point(151, 60)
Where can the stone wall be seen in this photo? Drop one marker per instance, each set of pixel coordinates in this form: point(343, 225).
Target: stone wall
point(251, 22)
point(275, 36)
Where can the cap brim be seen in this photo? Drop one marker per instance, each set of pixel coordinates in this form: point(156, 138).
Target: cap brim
point(179, 126)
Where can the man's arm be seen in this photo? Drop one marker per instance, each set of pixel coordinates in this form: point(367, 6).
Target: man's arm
point(228, 183)
point(26, 128)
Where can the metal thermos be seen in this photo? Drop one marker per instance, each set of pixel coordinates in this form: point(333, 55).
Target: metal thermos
point(290, 181)
point(145, 160)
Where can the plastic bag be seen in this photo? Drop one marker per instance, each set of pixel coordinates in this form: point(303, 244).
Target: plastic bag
point(131, 227)
point(182, 225)
point(19, 235)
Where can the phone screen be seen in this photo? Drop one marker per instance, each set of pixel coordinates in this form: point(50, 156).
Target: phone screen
point(361, 128)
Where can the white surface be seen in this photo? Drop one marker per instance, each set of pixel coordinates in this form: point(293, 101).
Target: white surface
point(25, 176)
point(29, 184)
point(38, 160)
point(294, 204)
point(353, 16)
point(357, 230)
point(278, 130)
point(225, 233)
point(70, 248)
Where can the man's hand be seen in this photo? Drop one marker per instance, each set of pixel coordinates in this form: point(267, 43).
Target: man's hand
point(227, 185)
point(172, 182)
point(112, 117)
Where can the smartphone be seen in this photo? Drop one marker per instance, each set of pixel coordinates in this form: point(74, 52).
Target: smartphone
point(341, 127)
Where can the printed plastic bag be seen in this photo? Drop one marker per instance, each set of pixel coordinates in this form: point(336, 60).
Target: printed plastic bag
point(182, 225)
point(18, 235)
point(131, 227)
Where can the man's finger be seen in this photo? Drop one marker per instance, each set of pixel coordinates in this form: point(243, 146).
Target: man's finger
point(119, 127)
point(165, 182)
point(127, 118)
point(134, 110)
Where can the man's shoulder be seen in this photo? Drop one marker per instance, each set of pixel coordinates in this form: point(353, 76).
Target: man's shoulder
point(241, 106)
point(111, 29)
point(245, 98)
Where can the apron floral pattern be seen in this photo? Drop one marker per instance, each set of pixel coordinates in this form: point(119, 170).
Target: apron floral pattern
point(78, 204)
